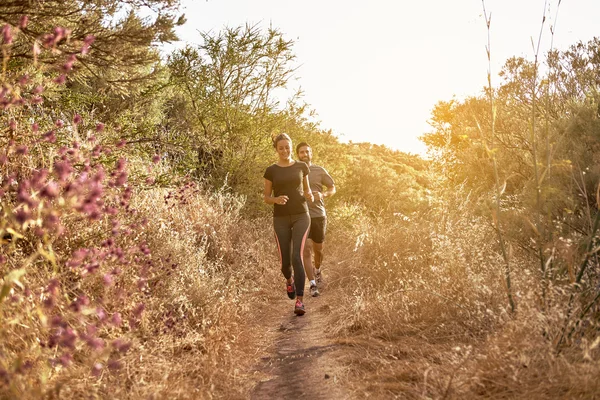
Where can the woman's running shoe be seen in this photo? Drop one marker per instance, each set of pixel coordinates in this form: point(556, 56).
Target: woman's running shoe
point(299, 308)
point(314, 290)
point(291, 290)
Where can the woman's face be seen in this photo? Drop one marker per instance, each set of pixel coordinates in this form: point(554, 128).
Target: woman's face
point(284, 149)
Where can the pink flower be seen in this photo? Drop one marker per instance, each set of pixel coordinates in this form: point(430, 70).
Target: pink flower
point(22, 215)
point(156, 158)
point(87, 42)
point(116, 319)
point(7, 34)
point(59, 123)
point(62, 169)
point(69, 64)
point(50, 191)
point(50, 137)
point(107, 279)
point(23, 21)
point(68, 338)
point(121, 346)
point(22, 150)
point(65, 360)
point(97, 369)
point(95, 343)
point(114, 364)
point(99, 127)
point(61, 79)
point(24, 80)
point(77, 119)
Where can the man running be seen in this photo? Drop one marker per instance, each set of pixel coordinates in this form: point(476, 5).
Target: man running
point(317, 178)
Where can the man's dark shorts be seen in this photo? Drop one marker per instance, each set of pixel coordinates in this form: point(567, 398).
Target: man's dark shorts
point(318, 226)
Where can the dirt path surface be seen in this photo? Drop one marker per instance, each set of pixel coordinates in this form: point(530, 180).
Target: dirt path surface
point(301, 362)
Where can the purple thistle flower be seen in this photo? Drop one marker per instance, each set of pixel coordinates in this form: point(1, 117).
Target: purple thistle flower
point(38, 89)
point(35, 127)
point(93, 267)
point(156, 158)
point(62, 169)
point(97, 369)
point(7, 35)
point(12, 125)
point(121, 346)
point(37, 100)
point(121, 179)
point(77, 119)
point(99, 127)
point(51, 221)
point(59, 123)
point(68, 338)
point(50, 136)
point(50, 191)
point(87, 42)
point(57, 321)
point(101, 314)
point(114, 364)
point(22, 215)
point(107, 279)
point(97, 151)
point(38, 178)
point(61, 79)
point(116, 319)
point(23, 21)
point(95, 343)
point(24, 80)
point(77, 258)
point(65, 360)
point(69, 64)
point(22, 150)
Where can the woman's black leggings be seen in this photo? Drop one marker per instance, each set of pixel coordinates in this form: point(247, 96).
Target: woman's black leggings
point(290, 233)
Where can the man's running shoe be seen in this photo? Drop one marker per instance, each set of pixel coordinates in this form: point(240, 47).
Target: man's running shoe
point(299, 308)
point(314, 290)
point(291, 290)
point(318, 276)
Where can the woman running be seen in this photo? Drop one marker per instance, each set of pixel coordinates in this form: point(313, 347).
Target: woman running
point(286, 186)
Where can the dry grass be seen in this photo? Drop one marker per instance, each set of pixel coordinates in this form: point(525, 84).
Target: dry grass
point(195, 283)
point(423, 309)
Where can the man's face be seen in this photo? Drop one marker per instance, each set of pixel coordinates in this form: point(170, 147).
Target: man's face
point(305, 154)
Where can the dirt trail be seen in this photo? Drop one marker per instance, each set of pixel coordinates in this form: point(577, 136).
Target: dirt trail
point(301, 362)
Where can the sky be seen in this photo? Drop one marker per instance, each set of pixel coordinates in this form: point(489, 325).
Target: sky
point(374, 70)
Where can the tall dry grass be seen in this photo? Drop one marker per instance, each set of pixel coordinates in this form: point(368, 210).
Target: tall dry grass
point(423, 308)
point(199, 270)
